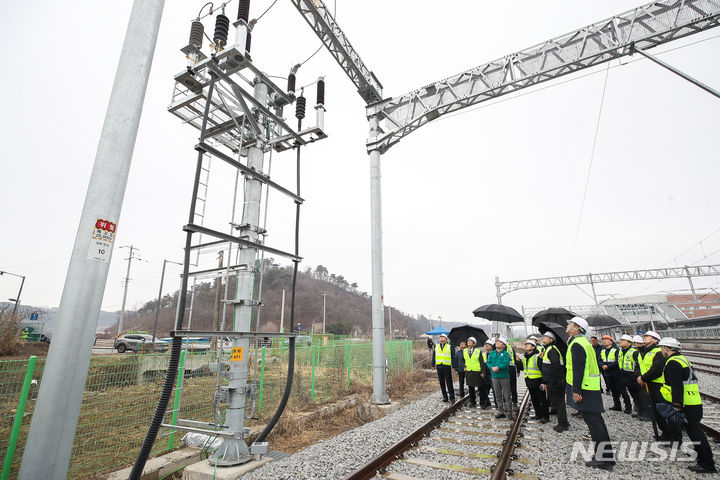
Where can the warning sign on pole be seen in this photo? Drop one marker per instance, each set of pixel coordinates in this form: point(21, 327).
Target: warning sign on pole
point(237, 354)
point(101, 242)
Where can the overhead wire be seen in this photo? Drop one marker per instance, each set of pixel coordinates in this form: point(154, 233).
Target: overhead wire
point(589, 171)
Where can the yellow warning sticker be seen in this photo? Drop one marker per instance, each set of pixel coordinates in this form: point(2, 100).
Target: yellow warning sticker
point(237, 354)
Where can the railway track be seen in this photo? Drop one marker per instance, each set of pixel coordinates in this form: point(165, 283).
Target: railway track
point(493, 445)
point(711, 415)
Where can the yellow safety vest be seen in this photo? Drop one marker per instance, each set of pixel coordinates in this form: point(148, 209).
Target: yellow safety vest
point(546, 360)
point(540, 348)
point(530, 366)
point(472, 363)
point(591, 375)
point(485, 354)
point(691, 391)
point(647, 361)
point(627, 360)
point(611, 357)
point(442, 355)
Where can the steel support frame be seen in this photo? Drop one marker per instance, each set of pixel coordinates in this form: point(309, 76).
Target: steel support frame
point(645, 27)
point(503, 288)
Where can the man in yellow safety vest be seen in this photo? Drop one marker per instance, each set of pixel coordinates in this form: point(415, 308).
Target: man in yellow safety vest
point(442, 361)
point(680, 389)
point(652, 364)
point(533, 379)
point(583, 391)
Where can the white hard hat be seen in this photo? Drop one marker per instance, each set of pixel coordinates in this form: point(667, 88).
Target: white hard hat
point(443, 335)
point(627, 337)
point(502, 339)
point(549, 334)
point(651, 334)
point(530, 341)
point(489, 342)
point(580, 322)
point(472, 339)
point(670, 342)
point(637, 339)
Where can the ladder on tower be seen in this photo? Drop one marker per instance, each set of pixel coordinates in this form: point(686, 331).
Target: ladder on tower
point(200, 209)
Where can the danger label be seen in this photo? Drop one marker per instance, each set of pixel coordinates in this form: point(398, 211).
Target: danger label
point(101, 241)
point(237, 354)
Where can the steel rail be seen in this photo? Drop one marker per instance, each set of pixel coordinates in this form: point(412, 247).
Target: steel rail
point(708, 429)
point(370, 469)
point(502, 468)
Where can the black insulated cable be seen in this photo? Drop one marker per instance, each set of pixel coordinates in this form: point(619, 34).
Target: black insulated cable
point(300, 114)
point(176, 346)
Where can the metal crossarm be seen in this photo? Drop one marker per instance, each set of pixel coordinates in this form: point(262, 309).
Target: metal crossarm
point(323, 24)
point(646, 26)
point(592, 278)
point(245, 243)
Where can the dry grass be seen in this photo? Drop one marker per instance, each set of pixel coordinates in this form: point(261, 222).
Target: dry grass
point(9, 333)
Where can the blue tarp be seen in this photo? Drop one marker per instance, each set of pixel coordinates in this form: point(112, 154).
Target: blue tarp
point(437, 331)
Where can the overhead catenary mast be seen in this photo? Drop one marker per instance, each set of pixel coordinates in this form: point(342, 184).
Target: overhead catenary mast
point(392, 119)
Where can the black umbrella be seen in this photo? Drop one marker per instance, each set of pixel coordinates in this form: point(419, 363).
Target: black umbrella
point(561, 337)
point(461, 334)
point(600, 320)
point(559, 316)
point(498, 313)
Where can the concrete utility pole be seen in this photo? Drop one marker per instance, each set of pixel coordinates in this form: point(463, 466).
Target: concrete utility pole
point(127, 282)
point(50, 441)
point(323, 295)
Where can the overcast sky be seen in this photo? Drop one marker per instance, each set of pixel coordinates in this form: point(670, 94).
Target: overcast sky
point(491, 191)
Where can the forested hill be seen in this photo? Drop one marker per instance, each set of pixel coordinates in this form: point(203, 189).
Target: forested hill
point(348, 310)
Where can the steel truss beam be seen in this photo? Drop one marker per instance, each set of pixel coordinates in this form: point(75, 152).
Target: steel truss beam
point(646, 26)
point(503, 288)
point(323, 24)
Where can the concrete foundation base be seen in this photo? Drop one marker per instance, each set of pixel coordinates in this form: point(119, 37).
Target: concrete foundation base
point(370, 411)
point(205, 471)
point(158, 467)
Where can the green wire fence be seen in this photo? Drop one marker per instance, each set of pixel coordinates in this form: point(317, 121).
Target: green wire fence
point(121, 393)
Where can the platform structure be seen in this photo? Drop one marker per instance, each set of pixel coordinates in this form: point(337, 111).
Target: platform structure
point(238, 111)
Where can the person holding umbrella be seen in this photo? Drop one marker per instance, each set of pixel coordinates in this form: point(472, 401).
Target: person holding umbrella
point(442, 361)
point(499, 363)
point(553, 380)
point(583, 391)
point(459, 366)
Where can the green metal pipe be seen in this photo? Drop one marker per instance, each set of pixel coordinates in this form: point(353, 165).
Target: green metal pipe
point(17, 423)
point(178, 394)
point(262, 380)
point(347, 361)
point(312, 383)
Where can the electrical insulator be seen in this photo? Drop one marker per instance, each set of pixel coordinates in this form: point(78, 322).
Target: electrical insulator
point(300, 107)
point(222, 26)
point(321, 92)
point(244, 10)
point(197, 29)
point(291, 83)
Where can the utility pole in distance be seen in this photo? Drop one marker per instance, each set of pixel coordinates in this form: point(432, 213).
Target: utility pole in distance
point(55, 418)
point(127, 281)
point(324, 295)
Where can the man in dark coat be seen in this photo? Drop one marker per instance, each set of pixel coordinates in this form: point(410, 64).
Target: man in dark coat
point(583, 391)
point(458, 365)
point(682, 392)
point(610, 365)
point(530, 364)
point(652, 364)
point(598, 349)
point(442, 362)
point(644, 411)
point(553, 380)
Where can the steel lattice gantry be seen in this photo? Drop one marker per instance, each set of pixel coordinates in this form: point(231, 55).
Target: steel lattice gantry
point(503, 288)
point(391, 119)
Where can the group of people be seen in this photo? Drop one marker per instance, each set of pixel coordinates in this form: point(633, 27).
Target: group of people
point(655, 382)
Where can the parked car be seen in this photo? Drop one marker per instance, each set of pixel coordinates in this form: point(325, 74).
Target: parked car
point(131, 341)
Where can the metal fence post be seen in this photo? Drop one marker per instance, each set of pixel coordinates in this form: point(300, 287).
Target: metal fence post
point(262, 380)
point(178, 394)
point(312, 382)
point(347, 361)
point(392, 347)
point(17, 423)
